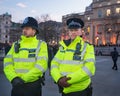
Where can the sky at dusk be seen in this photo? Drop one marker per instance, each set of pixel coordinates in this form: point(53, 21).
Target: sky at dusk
point(19, 9)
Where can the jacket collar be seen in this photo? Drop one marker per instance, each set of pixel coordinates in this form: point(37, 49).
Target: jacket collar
point(72, 44)
point(28, 39)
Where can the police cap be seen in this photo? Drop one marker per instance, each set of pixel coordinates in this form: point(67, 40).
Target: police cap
point(75, 23)
point(30, 22)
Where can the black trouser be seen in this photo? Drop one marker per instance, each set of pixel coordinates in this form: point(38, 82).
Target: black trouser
point(115, 64)
point(86, 92)
point(28, 89)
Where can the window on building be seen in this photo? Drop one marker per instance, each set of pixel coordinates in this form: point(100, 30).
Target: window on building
point(108, 12)
point(7, 31)
point(100, 5)
point(88, 29)
point(109, 3)
point(6, 41)
point(88, 18)
point(118, 1)
point(117, 10)
point(99, 13)
point(7, 18)
point(6, 36)
point(6, 22)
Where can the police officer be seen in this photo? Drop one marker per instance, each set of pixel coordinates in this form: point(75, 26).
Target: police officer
point(73, 65)
point(26, 61)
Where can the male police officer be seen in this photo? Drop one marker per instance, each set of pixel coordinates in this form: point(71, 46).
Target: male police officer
point(73, 65)
point(26, 61)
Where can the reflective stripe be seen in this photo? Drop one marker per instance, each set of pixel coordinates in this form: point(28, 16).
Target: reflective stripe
point(65, 73)
point(39, 67)
point(89, 60)
point(83, 51)
point(8, 56)
point(57, 60)
point(38, 48)
point(54, 66)
point(87, 71)
point(21, 70)
point(7, 63)
point(24, 59)
point(70, 62)
point(42, 57)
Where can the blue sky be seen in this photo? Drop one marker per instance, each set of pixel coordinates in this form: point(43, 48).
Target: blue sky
point(19, 9)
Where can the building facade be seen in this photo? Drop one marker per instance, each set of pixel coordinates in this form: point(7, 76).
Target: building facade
point(5, 24)
point(15, 32)
point(10, 32)
point(102, 22)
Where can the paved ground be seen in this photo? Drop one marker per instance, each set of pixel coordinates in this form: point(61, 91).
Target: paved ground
point(105, 82)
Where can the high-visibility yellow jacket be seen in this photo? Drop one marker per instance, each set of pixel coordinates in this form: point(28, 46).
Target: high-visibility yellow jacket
point(80, 71)
point(31, 61)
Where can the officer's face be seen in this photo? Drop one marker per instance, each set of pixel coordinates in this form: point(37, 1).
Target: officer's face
point(73, 33)
point(28, 31)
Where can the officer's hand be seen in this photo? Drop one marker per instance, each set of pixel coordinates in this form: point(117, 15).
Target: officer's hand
point(63, 81)
point(17, 81)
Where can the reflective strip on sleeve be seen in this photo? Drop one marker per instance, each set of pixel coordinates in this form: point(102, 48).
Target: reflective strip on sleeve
point(8, 56)
point(65, 73)
point(24, 59)
point(21, 70)
point(87, 71)
point(40, 67)
point(7, 63)
point(90, 60)
point(54, 66)
point(57, 60)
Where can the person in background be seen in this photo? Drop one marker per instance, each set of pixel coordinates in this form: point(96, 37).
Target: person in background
point(7, 48)
point(114, 55)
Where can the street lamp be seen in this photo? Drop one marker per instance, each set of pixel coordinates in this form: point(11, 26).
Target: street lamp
point(97, 38)
point(53, 41)
point(88, 18)
point(109, 30)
